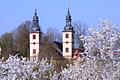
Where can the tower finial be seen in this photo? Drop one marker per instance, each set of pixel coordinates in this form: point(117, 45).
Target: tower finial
point(35, 12)
point(68, 18)
point(68, 4)
point(68, 7)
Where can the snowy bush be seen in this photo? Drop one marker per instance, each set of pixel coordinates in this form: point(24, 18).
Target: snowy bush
point(90, 70)
point(16, 69)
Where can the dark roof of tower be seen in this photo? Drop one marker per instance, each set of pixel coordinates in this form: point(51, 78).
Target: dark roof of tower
point(35, 23)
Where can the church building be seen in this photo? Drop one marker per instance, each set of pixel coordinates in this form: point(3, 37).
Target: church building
point(66, 48)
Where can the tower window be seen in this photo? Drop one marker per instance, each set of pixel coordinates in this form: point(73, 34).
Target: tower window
point(67, 49)
point(67, 36)
point(34, 51)
point(34, 36)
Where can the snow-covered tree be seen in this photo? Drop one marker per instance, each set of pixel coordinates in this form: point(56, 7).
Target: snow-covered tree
point(102, 41)
point(99, 63)
point(16, 69)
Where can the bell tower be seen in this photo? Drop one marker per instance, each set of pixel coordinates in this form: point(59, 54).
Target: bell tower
point(34, 37)
point(68, 37)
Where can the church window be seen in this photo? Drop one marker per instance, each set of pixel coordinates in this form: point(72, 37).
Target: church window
point(34, 51)
point(34, 36)
point(67, 49)
point(67, 36)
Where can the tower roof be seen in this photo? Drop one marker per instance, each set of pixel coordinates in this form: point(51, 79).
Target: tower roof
point(68, 16)
point(68, 26)
point(35, 23)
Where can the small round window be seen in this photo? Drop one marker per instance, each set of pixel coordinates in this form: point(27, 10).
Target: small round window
point(34, 43)
point(66, 42)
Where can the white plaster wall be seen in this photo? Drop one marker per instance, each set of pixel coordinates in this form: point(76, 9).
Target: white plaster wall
point(34, 46)
point(67, 45)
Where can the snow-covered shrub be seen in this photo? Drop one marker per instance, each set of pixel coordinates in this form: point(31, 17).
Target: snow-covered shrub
point(16, 69)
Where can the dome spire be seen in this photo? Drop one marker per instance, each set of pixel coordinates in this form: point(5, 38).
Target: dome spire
point(35, 23)
point(68, 18)
point(68, 26)
point(68, 11)
point(35, 17)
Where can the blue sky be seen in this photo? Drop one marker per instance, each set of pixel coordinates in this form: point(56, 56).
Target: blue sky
point(52, 12)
